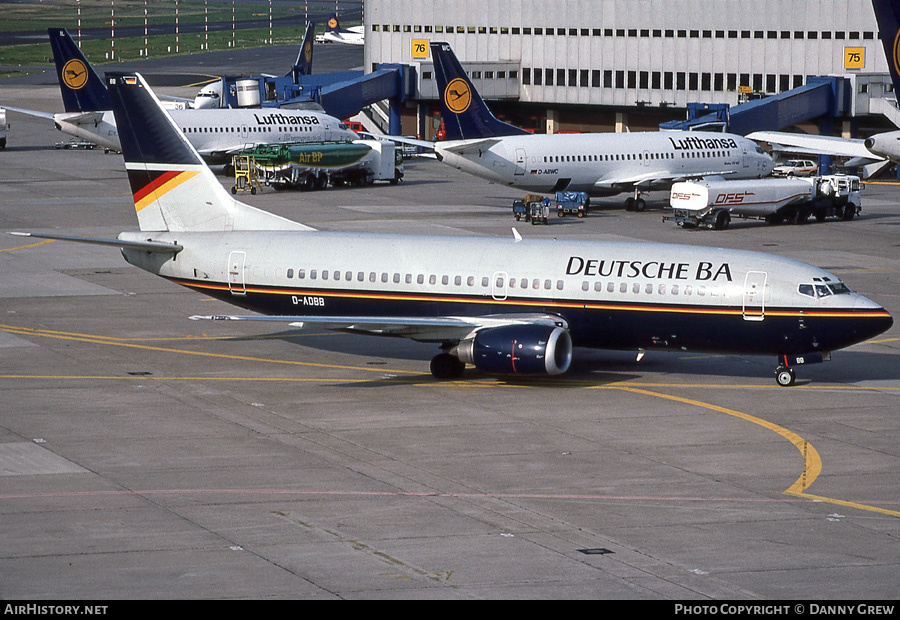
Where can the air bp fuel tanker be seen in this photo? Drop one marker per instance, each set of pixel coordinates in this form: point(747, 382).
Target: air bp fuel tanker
point(507, 306)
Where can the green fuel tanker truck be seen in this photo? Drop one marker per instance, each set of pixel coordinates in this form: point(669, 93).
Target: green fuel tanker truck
point(314, 165)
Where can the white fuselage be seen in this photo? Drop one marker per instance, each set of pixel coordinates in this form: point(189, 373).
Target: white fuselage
point(216, 132)
point(605, 163)
point(611, 295)
point(347, 37)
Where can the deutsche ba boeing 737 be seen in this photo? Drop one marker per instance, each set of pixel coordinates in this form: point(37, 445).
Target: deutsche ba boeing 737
point(508, 306)
point(601, 164)
point(217, 134)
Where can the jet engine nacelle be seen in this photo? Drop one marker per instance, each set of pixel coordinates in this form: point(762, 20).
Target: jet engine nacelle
point(885, 144)
point(519, 349)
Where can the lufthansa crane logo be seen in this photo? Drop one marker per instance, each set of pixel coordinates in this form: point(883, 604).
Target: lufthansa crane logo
point(457, 96)
point(74, 74)
point(896, 58)
point(307, 51)
point(332, 23)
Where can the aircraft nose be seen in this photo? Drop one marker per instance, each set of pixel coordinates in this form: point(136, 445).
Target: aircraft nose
point(874, 319)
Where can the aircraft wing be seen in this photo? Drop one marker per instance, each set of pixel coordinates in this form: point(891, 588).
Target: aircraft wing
point(38, 113)
point(649, 180)
point(815, 145)
point(422, 329)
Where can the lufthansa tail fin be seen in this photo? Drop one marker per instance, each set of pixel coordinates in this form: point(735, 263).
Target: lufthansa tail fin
point(303, 64)
point(332, 25)
point(887, 14)
point(466, 116)
point(82, 89)
point(173, 188)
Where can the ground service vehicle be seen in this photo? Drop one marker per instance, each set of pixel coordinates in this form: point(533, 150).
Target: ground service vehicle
point(713, 203)
point(795, 168)
point(540, 211)
point(575, 203)
point(314, 165)
point(3, 128)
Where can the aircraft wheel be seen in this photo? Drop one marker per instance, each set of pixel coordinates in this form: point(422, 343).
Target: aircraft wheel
point(784, 376)
point(640, 205)
point(629, 204)
point(446, 366)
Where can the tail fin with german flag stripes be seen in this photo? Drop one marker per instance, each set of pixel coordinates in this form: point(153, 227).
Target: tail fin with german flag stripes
point(173, 188)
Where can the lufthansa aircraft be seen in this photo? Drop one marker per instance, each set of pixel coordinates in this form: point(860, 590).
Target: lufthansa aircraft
point(601, 164)
point(355, 35)
point(508, 306)
point(216, 133)
point(881, 148)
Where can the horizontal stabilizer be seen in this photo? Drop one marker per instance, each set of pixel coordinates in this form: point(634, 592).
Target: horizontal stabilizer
point(37, 113)
point(148, 245)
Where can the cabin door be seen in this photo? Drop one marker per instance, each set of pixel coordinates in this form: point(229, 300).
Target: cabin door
point(236, 283)
point(521, 161)
point(755, 296)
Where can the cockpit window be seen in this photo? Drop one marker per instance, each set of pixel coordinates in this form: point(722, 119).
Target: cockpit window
point(839, 288)
point(820, 290)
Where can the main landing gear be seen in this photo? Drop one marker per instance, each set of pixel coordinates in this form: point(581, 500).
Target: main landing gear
point(446, 366)
point(635, 203)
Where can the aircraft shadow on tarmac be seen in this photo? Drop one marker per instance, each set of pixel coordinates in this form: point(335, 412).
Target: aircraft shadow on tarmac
point(599, 365)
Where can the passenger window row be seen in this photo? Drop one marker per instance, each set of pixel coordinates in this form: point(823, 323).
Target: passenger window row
point(249, 128)
point(384, 277)
point(649, 288)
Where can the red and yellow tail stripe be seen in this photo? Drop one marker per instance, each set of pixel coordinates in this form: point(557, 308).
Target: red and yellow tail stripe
point(157, 185)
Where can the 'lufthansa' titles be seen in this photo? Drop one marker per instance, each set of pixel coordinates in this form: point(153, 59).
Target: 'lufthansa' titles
point(692, 143)
point(285, 119)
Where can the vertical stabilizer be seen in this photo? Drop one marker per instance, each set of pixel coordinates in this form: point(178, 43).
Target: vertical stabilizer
point(82, 89)
point(887, 14)
point(466, 116)
point(303, 64)
point(173, 188)
point(333, 25)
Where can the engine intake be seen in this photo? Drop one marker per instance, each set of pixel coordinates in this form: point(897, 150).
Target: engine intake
point(519, 349)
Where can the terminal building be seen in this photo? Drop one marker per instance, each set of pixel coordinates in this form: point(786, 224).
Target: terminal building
point(616, 65)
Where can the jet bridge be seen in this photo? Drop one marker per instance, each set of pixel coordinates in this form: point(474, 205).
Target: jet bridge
point(823, 98)
point(341, 94)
